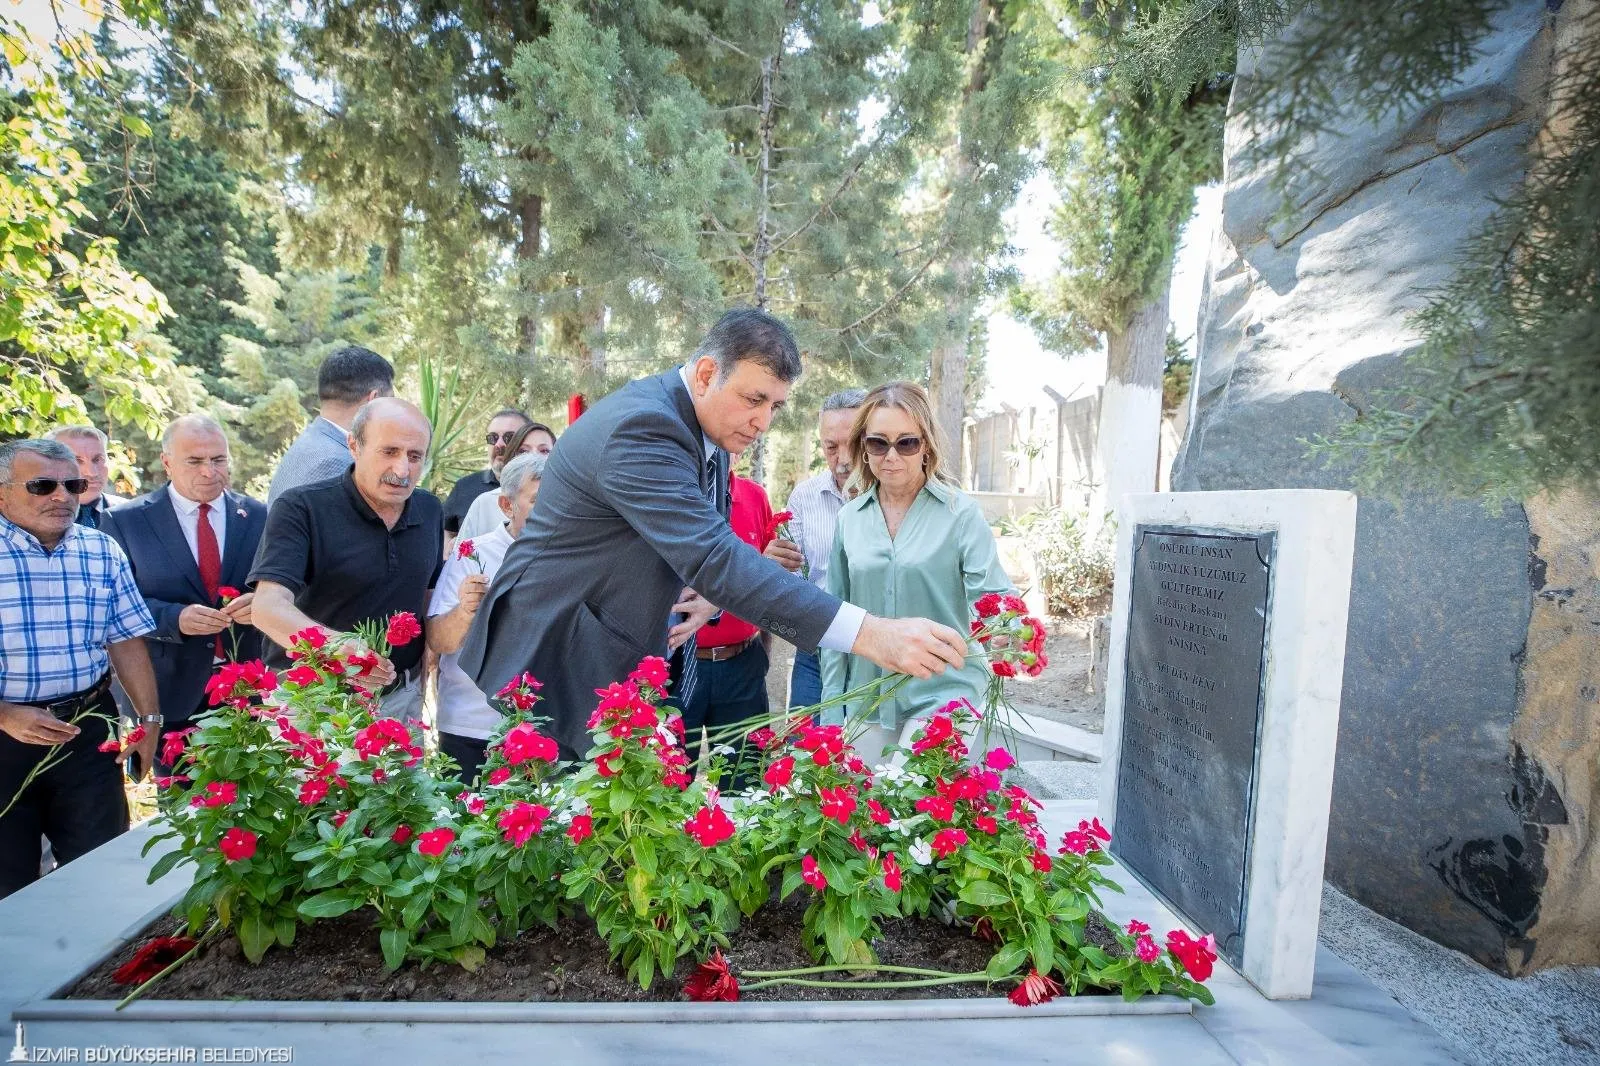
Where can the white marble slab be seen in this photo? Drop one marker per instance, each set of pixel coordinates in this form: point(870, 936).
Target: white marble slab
point(1302, 672)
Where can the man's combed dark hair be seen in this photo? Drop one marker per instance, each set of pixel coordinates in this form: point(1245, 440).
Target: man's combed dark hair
point(746, 334)
point(353, 372)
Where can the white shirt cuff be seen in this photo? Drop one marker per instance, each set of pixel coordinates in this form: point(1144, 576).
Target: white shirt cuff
point(846, 625)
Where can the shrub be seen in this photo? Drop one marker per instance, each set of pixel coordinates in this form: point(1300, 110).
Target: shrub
point(1075, 569)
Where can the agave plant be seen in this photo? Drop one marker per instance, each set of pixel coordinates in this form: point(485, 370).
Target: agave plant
point(449, 406)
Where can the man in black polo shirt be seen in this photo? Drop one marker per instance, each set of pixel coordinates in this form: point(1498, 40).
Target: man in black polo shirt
point(357, 547)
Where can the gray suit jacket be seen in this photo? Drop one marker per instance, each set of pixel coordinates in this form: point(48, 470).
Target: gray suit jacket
point(623, 522)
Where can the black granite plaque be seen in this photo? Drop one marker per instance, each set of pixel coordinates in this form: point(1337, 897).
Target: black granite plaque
point(1191, 716)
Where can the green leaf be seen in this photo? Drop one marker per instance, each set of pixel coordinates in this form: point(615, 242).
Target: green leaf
point(621, 799)
point(328, 904)
point(639, 891)
point(984, 894)
point(164, 866)
point(644, 853)
point(1006, 961)
point(285, 928)
point(469, 956)
point(255, 936)
point(1041, 945)
point(1096, 957)
point(395, 942)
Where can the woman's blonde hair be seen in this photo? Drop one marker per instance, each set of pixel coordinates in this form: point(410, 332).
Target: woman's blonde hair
point(911, 398)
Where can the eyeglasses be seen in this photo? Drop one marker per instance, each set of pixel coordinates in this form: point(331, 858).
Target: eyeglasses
point(491, 439)
point(46, 486)
point(195, 464)
point(879, 446)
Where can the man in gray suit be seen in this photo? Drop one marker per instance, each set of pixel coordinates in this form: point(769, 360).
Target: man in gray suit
point(628, 516)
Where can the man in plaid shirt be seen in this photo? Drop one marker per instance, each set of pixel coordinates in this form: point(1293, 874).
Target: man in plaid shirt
point(69, 613)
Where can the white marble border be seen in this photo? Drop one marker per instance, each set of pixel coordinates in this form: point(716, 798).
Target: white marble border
point(1303, 674)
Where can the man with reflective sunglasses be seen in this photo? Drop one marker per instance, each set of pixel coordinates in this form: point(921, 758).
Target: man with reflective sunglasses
point(503, 425)
point(70, 614)
point(187, 541)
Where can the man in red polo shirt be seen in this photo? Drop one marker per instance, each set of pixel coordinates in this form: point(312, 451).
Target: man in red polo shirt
point(730, 682)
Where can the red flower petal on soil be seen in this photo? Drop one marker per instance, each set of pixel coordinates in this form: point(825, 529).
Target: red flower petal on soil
point(712, 980)
point(435, 842)
point(811, 875)
point(1033, 989)
point(237, 844)
point(403, 629)
point(152, 958)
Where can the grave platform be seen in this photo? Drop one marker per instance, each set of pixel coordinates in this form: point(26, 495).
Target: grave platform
point(59, 927)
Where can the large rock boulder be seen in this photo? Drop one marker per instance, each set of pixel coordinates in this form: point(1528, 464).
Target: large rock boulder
point(1466, 768)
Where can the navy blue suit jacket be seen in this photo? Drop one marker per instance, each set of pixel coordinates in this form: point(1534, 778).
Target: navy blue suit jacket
point(168, 576)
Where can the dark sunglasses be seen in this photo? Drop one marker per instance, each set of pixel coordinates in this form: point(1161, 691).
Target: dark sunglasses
point(491, 439)
point(46, 486)
point(879, 446)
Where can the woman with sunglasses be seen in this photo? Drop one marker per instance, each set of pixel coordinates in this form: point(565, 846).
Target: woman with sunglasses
point(910, 543)
point(484, 514)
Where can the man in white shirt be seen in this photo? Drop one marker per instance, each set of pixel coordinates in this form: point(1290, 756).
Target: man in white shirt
point(466, 718)
point(815, 505)
point(187, 542)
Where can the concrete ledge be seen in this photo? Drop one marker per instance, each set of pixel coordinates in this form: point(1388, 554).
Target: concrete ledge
point(363, 1013)
point(1039, 739)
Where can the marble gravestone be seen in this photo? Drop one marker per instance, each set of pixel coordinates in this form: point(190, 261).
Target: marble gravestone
point(1222, 713)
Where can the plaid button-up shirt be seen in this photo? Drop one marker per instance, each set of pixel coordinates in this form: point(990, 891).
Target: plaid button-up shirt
point(59, 610)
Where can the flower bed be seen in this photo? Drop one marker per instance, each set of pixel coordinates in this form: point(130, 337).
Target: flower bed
point(297, 807)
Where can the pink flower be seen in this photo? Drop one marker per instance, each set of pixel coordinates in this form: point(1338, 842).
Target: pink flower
point(523, 742)
point(986, 824)
point(1078, 843)
point(314, 791)
point(522, 691)
point(709, 826)
point(947, 842)
point(435, 842)
point(521, 821)
point(762, 737)
point(1195, 955)
point(1135, 927)
point(1146, 950)
point(837, 803)
point(780, 772)
point(1095, 829)
point(472, 801)
point(1033, 989)
point(811, 875)
point(999, 759)
point(939, 808)
point(878, 812)
point(712, 980)
point(652, 670)
point(381, 735)
point(237, 844)
point(339, 818)
point(466, 550)
point(302, 676)
point(1041, 861)
point(581, 829)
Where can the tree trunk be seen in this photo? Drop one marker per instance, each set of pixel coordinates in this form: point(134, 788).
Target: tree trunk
point(1128, 444)
point(947, 376)
point(530, 219)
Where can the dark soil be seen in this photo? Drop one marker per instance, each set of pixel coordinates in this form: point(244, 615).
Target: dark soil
point(339, 959)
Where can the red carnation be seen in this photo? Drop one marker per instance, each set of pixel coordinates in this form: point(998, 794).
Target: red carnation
point(109, 744)
point(987, 605)
point(1034, 989)
point(237, 844)
point(435, 842)
point(581, 829)
point(403, 629)
point(466, 550)
point(226, 594)
point(155, 956)
point(712, 980)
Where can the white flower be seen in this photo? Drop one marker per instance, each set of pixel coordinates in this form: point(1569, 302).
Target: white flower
point(443, 814)
point(724, 749)
point(895, 825)
point(921, 853)
point(891, 771)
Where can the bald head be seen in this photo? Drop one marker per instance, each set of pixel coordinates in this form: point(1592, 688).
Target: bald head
point(389, 441)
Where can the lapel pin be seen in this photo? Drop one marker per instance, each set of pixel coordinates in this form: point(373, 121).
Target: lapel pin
point(240, 512)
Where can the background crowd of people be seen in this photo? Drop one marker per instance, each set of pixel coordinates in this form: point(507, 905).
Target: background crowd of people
point(128, 606)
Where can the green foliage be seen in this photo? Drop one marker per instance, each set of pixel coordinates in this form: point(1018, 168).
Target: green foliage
point(1076, 569)
point(67, 305)
point(450, 408)
point(1177, 372)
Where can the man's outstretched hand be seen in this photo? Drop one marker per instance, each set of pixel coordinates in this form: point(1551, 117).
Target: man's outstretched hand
point(915, 646)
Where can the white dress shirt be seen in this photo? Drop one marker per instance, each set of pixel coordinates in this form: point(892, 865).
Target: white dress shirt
point(188, 512)
point(847, 621)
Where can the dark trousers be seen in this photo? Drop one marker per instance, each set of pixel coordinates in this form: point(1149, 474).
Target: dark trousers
point(468, 752)
point(726, 692)
point(78, 803)
point(805, 680)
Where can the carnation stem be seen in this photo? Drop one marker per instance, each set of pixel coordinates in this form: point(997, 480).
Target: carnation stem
point(216, 925)
point(953, 979)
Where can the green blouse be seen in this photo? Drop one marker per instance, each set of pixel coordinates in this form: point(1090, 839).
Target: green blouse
point(943, 558)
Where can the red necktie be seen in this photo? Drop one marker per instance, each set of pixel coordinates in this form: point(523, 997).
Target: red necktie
point(210, 561)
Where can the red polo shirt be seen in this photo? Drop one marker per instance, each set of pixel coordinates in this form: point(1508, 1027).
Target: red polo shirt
point(750, 516)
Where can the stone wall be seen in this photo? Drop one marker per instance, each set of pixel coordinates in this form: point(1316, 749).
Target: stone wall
point(1465, 771)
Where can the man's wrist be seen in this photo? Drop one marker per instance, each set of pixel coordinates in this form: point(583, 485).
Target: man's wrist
point(150, 719)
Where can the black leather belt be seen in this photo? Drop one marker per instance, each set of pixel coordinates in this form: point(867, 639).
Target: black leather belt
point(66, 707)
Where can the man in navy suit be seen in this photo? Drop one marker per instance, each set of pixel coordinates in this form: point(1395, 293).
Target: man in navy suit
point(186, 541)
point(630, 511)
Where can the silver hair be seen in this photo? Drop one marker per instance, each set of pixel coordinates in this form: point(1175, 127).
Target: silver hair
point(520, 470)
point(49, 449)
point(78, 433)
point(194, 421)
point(845, 400)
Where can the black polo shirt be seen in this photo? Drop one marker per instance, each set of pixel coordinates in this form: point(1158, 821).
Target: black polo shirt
point(325, 544)
point(469, 488)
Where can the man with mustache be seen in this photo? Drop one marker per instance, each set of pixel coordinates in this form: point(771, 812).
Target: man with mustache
point(70, 614)
point(357, 548)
